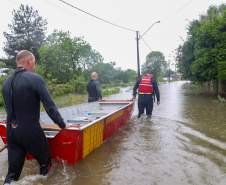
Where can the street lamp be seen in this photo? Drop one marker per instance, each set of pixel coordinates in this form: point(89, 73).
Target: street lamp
point(138, 37)
point(150, 28)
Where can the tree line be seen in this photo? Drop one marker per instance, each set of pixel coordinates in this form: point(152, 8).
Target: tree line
point(66, 61)
point(63, 60)
point(202, 57)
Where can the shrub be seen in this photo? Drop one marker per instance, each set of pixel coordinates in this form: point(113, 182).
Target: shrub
point(60, 89)
point(110, 91)
point(79, 84)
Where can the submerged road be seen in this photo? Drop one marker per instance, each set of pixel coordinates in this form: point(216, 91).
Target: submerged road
point(183, 144)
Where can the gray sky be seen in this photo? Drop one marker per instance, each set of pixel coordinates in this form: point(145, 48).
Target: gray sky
point(115, 44)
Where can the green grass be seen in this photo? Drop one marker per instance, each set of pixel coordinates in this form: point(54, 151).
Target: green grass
point(110, 91)
point(70, 99)
point(73, 99)
point(193, 88)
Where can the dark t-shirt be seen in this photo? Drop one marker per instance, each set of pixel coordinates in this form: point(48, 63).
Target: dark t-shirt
point(94, 92)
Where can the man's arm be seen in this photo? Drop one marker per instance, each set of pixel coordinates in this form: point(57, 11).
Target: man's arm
point(136, 87)
point(48, 103)
point(6, 93)
point(87, 87)
point(156, 91)
point(98, 90)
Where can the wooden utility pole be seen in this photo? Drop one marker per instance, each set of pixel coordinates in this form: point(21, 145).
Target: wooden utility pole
point(138, 54)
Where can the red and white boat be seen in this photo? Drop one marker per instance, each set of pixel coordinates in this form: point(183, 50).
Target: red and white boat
point(88, 126)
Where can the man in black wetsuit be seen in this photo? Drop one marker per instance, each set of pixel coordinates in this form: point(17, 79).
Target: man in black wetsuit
point(93, 88)
point(147, 89)
point(22, 93)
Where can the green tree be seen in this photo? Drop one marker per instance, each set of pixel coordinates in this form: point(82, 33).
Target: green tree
point(106, 72)
point(156, 61)
point(109, 74)
point(27, 31)
point(63, 57)
point(88, 57)
point(2, 63)
point(203, 56)
point(185, 57)
point(126, 76)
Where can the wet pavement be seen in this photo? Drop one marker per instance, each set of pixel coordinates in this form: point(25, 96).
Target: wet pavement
point(183, 144)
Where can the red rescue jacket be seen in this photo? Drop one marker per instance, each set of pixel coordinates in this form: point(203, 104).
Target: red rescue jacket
point(146, 86)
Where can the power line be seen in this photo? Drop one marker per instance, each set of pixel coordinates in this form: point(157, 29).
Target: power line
point(185, 5)
point(169, 17)
point(96, 17)
point(146, 44)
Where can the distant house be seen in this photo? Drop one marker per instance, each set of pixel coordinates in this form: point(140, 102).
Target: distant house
point(173, 77)
point(176, 76)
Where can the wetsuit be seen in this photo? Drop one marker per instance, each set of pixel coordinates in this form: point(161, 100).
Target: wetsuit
point(22, 93)
point(145, 101)
point(94, 92)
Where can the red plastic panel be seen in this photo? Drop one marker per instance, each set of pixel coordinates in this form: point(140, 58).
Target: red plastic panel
point(3, 131)
point(112, 125)
point(67, 146)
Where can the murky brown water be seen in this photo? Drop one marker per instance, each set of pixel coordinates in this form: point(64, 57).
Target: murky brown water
point(183, 144)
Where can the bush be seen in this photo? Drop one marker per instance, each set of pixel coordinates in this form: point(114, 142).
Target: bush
point(75, 85)
point(110, 91)
point(79, 84)
point(80, 87)
point(60, 89)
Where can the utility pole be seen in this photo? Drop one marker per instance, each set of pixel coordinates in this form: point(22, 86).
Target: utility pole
point(169, 71)
point(138, 54)
point(138, 37)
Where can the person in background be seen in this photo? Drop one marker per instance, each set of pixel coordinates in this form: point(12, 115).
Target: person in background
point(147, 89)
point(93, 88)
point(22, 93)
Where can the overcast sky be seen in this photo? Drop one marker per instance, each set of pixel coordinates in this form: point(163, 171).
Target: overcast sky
point(115, 44)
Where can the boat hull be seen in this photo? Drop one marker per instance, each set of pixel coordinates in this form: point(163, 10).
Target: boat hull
point(75, 143)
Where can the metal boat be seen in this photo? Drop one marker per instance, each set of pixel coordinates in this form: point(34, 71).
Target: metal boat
point(87, 128)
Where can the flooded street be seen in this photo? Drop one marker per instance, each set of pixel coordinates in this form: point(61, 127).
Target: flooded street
point(183, 144)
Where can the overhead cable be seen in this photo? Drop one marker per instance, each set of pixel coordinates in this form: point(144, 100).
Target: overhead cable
point(185, 5)
point(99, 18)
point(146, 44)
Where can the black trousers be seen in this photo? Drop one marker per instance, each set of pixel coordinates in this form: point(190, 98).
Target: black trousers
point(92, 99)
point(21, 141)
point(145, 102)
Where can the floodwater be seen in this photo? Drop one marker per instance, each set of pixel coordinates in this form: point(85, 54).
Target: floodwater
point(183, 144)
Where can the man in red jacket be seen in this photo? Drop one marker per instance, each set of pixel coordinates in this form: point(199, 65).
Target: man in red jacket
point(147, 89)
